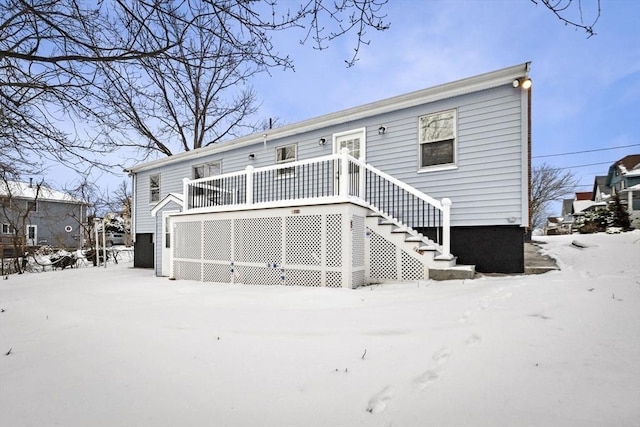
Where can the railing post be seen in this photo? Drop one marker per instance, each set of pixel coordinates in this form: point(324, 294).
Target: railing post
point(446, 228)
point(344, 173)
point(185, 194)
point(361, 183)
point(249, 195)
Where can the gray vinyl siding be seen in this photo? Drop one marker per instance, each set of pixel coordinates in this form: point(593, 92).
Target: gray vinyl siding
point(51, 219)
point(486, 187)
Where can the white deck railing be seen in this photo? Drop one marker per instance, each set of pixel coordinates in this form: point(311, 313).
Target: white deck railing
point(329, 179)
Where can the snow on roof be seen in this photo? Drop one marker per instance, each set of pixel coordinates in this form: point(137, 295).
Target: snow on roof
point(23, 190)
point(581, 205)
point(628, 163)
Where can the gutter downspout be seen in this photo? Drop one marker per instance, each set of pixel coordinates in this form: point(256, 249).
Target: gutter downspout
point(133, 207)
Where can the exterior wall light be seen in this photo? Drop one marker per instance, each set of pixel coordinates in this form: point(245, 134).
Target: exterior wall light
point(524, 83)
point(252, 156)
point(322, 141)
point(382, 130)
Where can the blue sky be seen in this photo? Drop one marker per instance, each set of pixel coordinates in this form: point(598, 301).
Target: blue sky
point(586, 91)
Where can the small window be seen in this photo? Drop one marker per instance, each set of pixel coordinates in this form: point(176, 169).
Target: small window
point(6, 229)
point(32, 206)
point(438, 139)
point(167, 232)
point(154, 188)
point(207, 169)
point(286, 154)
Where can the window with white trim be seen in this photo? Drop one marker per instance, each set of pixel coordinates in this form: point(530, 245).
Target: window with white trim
point(32, 206)
point(154, 188)
point(437, 139)
point(7, 229)
point(286, 154)
point(207, 170)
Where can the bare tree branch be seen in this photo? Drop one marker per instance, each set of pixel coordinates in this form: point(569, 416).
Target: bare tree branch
point(562, 9)
point(66, 60)
point(548, 184)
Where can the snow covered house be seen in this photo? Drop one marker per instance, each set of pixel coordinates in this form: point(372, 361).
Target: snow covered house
point(42, 215)
point(623, 178)
point(404, 188)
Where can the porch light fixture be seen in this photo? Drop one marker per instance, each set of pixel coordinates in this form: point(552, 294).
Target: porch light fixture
point(524, 83)
point(322, 141)
point(252, 156)
point(382, 130)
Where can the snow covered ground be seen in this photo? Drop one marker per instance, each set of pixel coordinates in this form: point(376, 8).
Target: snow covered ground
point(119, 347)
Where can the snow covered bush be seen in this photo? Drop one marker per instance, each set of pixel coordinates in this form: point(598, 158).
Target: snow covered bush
point(615, 215)
point(594, 221)
point(619, 215)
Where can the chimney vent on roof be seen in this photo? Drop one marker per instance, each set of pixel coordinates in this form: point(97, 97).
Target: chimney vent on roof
point(30, 182)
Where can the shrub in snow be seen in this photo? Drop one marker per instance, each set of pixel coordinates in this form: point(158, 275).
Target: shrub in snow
point(619, 215)
point(593, 221)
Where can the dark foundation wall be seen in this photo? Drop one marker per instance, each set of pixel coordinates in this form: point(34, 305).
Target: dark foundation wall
point(143, 251)
point(492, 249)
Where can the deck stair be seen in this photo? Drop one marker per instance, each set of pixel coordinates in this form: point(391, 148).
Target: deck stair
point(408, 243)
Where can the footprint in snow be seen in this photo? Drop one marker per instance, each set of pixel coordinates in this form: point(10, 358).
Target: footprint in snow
point(473, 340)
point(378, 402)
point(428, 377)
point(465, 317)
point(441, 356)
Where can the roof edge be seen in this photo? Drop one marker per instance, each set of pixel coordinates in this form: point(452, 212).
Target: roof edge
point(435, 93)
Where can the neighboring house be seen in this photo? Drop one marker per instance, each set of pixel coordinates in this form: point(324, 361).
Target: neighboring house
point(601, 191)
point(429, 176)
point(40, 215)
point(553, 226)
point(624, 179)
point(557, 226)
point(582, 201)
point(567, 214)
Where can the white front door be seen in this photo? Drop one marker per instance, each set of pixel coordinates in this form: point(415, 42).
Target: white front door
point(353, 140)
point(167, 232)
point(32, 235)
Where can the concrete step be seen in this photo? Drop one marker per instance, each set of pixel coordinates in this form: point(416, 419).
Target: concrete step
point(456, 272)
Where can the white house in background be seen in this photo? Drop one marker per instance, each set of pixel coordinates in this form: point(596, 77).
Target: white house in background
point(400, 189)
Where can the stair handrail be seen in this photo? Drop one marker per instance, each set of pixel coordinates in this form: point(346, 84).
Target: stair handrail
point(444, 206)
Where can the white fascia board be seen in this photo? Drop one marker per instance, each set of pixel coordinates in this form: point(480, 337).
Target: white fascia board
point(171, 197)
point(412, 99)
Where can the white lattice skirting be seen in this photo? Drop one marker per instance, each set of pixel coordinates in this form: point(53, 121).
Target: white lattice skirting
point(325, 245)
point(306, 246)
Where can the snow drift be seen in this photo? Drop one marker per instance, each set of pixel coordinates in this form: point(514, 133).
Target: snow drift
point(119, 347)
